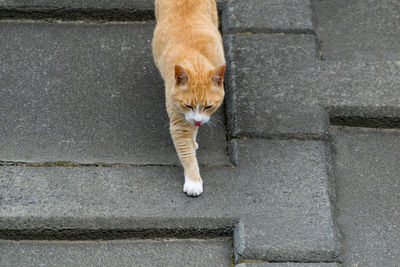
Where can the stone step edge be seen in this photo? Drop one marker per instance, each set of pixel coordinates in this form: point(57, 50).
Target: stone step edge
point(385, 117)
point(114, 234)
point(226, 228)
point(113, 228)
point(7, 163)
point(71, 14)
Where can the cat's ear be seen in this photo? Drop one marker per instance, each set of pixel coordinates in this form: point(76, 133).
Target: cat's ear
point(181, 77)
point(218, 76)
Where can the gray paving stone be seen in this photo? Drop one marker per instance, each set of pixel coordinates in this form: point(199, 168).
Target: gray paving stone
point(116, 253)
point(367, 176)
point(278, 87)
point(358, 29)
point(87, 93)
point(277, 199)
point(272, 264)
point(267, 16)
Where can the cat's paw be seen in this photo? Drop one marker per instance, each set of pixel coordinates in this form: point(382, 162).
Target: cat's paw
point(196, 145)
point(193, 188)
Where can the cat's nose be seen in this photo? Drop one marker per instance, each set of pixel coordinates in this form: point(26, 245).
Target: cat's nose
point(196, 123)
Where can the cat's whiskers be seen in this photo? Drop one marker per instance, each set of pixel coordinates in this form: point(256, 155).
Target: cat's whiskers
point(213, 124)
point(220, 122)
point(217, 121)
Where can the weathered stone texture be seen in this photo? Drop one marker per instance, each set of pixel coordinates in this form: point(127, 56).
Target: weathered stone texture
point(267, 16)
point(367, 176)
point(116, 253)
point(278, 87)
point(276, 199)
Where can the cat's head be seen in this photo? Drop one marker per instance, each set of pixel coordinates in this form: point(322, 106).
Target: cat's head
point(198, 94)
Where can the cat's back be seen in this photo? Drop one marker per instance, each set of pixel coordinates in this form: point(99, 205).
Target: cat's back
point(180, 10)
point(185, 18)
point(187, 24)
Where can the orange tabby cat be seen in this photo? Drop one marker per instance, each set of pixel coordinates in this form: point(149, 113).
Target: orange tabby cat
point(188, 51)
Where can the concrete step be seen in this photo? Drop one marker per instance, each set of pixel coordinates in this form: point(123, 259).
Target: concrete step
point(368, 187)
point(117, 253)
point(88, 93)
point(295, 94)
point(366, 30)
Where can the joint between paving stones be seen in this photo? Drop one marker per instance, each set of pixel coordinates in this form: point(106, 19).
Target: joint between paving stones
point(113, 234)
point(67, 14)
point(269, 31)
point(288, 262)
point(386, 117)
point(283, 136)
point(332, 194)
point(366, 122)
point(230, 110)
point(103, 165)
point(349, 121)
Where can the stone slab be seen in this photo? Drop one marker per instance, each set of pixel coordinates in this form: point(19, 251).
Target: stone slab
point(116, 253)
point(368, 190)
point(274, 264)
point(349, 30)
point(267, 16)
point(277, 200)
point(265, 96)
point(277, 87)
point(88, 93)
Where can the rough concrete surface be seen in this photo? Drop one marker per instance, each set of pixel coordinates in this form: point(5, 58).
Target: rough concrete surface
point(278, 87)
point(88, 93)
point(267, 16)
point(368, 190)
point(265, 93)
point(117, 253)
point(358, 29)
point(276, 199)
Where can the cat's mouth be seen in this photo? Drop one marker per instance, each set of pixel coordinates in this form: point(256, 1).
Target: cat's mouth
point(197, 119)
point(197, 123)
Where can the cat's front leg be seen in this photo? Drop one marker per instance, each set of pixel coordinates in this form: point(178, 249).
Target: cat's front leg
point(183, 135)
point(196, 145)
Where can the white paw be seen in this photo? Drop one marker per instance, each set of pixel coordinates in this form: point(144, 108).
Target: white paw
point(193, 188)
point(196, 145)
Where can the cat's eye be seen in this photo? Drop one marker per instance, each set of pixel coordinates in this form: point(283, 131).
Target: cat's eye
point(189, 107)
point(208, 107)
